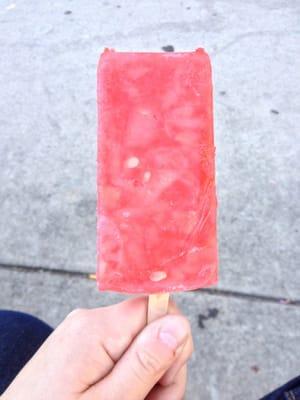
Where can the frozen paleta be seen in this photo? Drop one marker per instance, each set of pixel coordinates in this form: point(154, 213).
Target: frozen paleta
point(156, 175)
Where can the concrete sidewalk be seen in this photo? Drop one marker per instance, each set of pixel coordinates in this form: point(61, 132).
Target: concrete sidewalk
point(49, 54)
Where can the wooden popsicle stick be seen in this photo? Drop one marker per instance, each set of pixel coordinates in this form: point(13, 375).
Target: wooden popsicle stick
point(157, 306)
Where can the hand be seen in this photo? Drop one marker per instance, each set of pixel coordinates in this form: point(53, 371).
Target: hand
point(109, 354)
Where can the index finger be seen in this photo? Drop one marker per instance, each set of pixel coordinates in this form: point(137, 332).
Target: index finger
point(119, 324)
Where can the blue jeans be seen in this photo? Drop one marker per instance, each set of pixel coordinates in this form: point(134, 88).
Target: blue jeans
point(20, 337)
point(22, 334)
point(289, 391)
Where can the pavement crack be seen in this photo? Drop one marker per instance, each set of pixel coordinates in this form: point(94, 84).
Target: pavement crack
point(53, 271)
point(251, 296)
point(210, 291)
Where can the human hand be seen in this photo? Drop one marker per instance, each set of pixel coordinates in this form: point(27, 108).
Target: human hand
point(109, 354)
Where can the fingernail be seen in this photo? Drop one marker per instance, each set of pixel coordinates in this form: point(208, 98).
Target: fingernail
point(173, 333)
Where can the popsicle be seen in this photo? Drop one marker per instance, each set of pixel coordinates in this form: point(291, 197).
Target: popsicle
point(156, 210)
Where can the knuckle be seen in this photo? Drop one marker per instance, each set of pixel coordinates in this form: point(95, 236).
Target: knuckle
point(78, 319)
point(148, 364)
point(76, 312)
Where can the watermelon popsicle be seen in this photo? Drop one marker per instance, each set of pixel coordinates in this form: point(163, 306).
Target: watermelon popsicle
point(156, 211)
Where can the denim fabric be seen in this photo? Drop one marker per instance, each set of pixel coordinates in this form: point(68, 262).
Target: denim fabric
point(20, 337)
point(289, 391)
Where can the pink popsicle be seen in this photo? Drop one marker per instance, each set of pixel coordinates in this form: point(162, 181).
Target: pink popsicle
point(156, 209)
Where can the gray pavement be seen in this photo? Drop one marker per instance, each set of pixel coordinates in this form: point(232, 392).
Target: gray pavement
point(49, 54)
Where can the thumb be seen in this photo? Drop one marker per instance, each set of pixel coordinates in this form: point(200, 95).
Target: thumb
point(147, 359)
